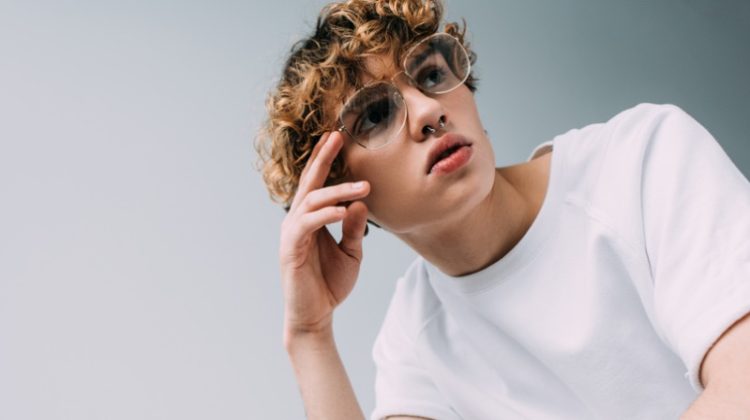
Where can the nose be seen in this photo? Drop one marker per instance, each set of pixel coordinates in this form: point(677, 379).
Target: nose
point(425, 114)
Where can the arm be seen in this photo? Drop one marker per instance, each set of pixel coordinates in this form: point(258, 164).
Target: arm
point(696, 215)
point(317, 274)
point(322, 379)
point(725, 374)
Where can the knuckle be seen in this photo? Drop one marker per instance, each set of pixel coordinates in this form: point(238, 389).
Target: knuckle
point(296, 199)
point(309, 200)
point(287, 233)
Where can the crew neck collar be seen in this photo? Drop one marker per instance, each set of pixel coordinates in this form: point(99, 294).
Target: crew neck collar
point(527, 249)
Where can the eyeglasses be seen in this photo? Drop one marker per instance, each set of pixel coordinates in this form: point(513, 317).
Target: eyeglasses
point(376, 113)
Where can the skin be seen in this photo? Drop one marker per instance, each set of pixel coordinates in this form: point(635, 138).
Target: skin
point(725, 375)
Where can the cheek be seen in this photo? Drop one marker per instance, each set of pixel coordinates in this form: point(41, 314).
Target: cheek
point(392, 177)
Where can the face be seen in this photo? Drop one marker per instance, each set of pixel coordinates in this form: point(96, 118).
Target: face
point(408, 192)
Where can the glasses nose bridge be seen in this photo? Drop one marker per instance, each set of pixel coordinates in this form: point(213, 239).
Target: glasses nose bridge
point(409, 85)
point(409, 81)
point(420, 108)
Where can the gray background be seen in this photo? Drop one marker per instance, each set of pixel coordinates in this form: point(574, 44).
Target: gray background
point(138, 274)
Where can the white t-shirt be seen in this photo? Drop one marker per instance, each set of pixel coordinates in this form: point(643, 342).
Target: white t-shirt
point(638, 260)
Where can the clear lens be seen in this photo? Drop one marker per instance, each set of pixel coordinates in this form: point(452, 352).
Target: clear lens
point(438, 64)
point(374, 115)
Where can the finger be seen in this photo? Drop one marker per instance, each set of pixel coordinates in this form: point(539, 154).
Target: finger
point(313, 155)
point(333, 195)
point(353, 230)
point(321, 166)
point(308, 223)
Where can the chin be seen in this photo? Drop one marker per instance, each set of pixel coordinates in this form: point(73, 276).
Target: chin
point(474, 190)
point(416, 209)
point(472, 193)
point(460, 200)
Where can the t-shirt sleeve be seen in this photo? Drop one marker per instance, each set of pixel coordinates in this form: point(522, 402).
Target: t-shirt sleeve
point(402, 384)
point(696, 215)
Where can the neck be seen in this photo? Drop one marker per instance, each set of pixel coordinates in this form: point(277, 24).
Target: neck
point(473, 240)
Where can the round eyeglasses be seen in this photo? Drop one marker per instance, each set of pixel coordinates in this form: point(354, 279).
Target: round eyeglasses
point(376, 113)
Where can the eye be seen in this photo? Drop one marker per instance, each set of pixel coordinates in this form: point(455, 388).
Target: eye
point(431, 77)
point(375, 115)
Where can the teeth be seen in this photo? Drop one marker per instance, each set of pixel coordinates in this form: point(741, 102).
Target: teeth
point(448, 152)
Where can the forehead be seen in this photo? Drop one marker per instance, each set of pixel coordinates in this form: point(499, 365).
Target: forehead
point(370, 69)
point(378, 68)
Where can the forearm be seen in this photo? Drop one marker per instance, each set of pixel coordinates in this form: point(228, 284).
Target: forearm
point(324, 384)
point(720, 404)
point(726, 376)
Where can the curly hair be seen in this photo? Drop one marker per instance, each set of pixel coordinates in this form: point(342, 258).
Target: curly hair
point(323, 67)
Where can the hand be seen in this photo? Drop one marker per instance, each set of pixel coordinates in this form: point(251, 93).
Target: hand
point(317, 273)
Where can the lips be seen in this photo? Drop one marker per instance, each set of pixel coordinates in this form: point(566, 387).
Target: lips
point(446, 146)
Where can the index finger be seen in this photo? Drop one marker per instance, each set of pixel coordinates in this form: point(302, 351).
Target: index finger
point(314, 153)
point(318, 166)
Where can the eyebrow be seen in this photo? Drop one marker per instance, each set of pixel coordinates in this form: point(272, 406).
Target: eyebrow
point(421, 57)
point(417, 60)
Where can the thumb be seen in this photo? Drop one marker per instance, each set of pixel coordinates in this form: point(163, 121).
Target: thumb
point(353, 229)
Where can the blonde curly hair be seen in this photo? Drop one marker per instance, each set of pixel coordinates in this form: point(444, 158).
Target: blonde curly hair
point(322, 68)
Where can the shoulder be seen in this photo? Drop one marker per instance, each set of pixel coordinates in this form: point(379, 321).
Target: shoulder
point(403, 377)
point(645, 112)
point(414, 301)
point(623, 135)
point(616, 149)
point(648, 140)
point(638, 127)
point(605, 164)
point(628, 126)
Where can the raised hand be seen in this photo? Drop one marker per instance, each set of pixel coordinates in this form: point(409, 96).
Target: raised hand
point(317, 272)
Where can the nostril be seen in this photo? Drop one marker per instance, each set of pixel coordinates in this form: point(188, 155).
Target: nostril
point(428, 129)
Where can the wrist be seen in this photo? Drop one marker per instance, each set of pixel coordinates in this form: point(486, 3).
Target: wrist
point(308, 338)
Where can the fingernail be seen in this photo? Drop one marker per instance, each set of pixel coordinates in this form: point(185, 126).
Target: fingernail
point(358, 185)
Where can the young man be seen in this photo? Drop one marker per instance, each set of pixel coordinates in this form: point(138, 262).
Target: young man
point(606, 278)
